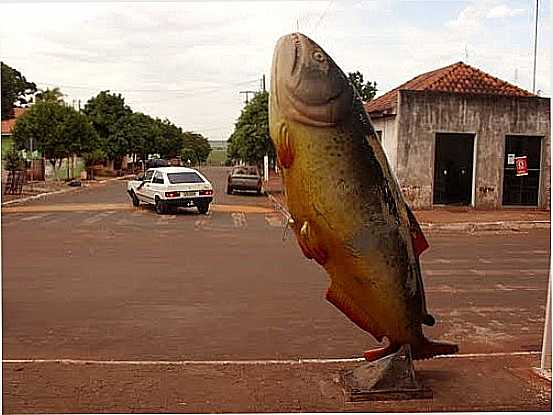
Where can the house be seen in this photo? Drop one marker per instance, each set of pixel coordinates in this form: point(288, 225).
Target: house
point(459, 136)
point(6, 129)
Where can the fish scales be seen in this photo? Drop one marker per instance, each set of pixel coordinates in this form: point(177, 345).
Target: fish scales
point(347, 209)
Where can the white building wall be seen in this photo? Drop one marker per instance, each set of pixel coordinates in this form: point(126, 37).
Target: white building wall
point(388, 127)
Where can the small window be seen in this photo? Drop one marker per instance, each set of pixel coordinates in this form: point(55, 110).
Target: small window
point(148, 176)
point(184, 177)
point(158, 178)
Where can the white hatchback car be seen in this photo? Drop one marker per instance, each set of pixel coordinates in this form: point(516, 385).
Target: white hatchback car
point(168, 188)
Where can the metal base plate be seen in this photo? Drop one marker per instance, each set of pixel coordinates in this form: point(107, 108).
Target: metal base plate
point(386, 379)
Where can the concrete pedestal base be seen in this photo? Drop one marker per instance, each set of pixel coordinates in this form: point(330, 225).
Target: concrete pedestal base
point(389, 378)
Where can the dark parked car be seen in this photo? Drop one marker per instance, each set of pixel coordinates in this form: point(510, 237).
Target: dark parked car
point(244, 178)
point(152, 163)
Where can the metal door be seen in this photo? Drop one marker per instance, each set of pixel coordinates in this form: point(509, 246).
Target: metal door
point(521, 190)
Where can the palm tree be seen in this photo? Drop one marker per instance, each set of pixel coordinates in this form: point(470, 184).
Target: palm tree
point(50, 95)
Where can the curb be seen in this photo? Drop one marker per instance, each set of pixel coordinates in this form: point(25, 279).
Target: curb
point(487, 226)
point(57, 192)
point(469, 227)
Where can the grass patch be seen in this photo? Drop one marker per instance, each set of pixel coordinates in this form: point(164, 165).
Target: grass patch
point(217, 157)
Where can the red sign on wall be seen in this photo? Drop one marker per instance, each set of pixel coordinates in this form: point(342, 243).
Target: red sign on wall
point(521, 165)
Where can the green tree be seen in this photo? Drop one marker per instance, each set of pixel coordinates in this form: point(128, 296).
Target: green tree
point(366, 91)
point(196, 145)
point(105, 110)
point(188, 153)
point(136, 134)
point(57, 131)
point(93, 157)
point(52, 95)
point(250, 140)
point(13, 160)
point(15, 89)
point(170, 140)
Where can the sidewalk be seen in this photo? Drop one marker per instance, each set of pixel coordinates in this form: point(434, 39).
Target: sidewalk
point(452, 218)
point(43, 189)
point(501, 382)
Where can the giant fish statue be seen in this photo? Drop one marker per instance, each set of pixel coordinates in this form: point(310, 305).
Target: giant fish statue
point(347, 210)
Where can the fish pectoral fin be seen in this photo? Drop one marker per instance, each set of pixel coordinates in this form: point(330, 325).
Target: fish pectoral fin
point(310, 248)
point(284, 150)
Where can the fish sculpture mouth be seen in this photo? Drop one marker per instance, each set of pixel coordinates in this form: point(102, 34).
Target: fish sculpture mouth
point(307, 85)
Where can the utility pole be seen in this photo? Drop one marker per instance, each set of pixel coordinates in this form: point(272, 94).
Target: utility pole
point(535, 49)
point(32, 163)
point(247, 95)
point(263, 83)
point(546, 345)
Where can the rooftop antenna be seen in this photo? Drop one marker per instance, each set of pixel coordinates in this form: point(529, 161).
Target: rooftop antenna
point(466, 53)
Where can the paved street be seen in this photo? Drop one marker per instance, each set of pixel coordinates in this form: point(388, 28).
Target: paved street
point(86, 276)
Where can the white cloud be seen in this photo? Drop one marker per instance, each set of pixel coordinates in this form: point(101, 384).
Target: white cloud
point(473, 16)
point(502, 11)
point(188, 61)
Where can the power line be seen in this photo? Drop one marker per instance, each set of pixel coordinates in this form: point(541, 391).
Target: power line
point(185, 91)
point(322, 15)
point(247, 95)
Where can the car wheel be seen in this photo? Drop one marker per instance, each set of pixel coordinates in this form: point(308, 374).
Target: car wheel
point(229, 190)
point(135, 200)
point(160, 206)
point(203, 208)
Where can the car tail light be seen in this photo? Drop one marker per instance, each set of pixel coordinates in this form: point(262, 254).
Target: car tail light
point(172, 194)
point(206, 192)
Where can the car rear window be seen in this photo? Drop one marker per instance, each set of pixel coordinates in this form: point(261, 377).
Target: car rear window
point(252, 171)
point(184, 177)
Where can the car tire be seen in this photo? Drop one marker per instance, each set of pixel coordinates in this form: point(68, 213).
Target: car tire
point(135, 199)
point(160, 207)
point(229, 190)
point(203, 208)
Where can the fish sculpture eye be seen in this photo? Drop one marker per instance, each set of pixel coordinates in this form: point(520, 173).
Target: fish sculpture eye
point(318, 56)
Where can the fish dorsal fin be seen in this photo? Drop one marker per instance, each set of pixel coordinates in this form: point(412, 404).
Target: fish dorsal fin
point(420, 244)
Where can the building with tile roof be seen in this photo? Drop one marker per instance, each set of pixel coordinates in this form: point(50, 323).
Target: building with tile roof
point(6, 130)
point(455, 135)
point(7, 125)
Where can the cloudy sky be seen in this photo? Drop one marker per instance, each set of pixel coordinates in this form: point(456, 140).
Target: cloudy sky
point(188, 61)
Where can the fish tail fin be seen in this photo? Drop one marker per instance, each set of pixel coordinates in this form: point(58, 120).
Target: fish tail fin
point(428, 349)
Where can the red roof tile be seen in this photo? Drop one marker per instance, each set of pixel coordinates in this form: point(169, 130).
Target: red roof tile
point(7, 125)
point(459, 78)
